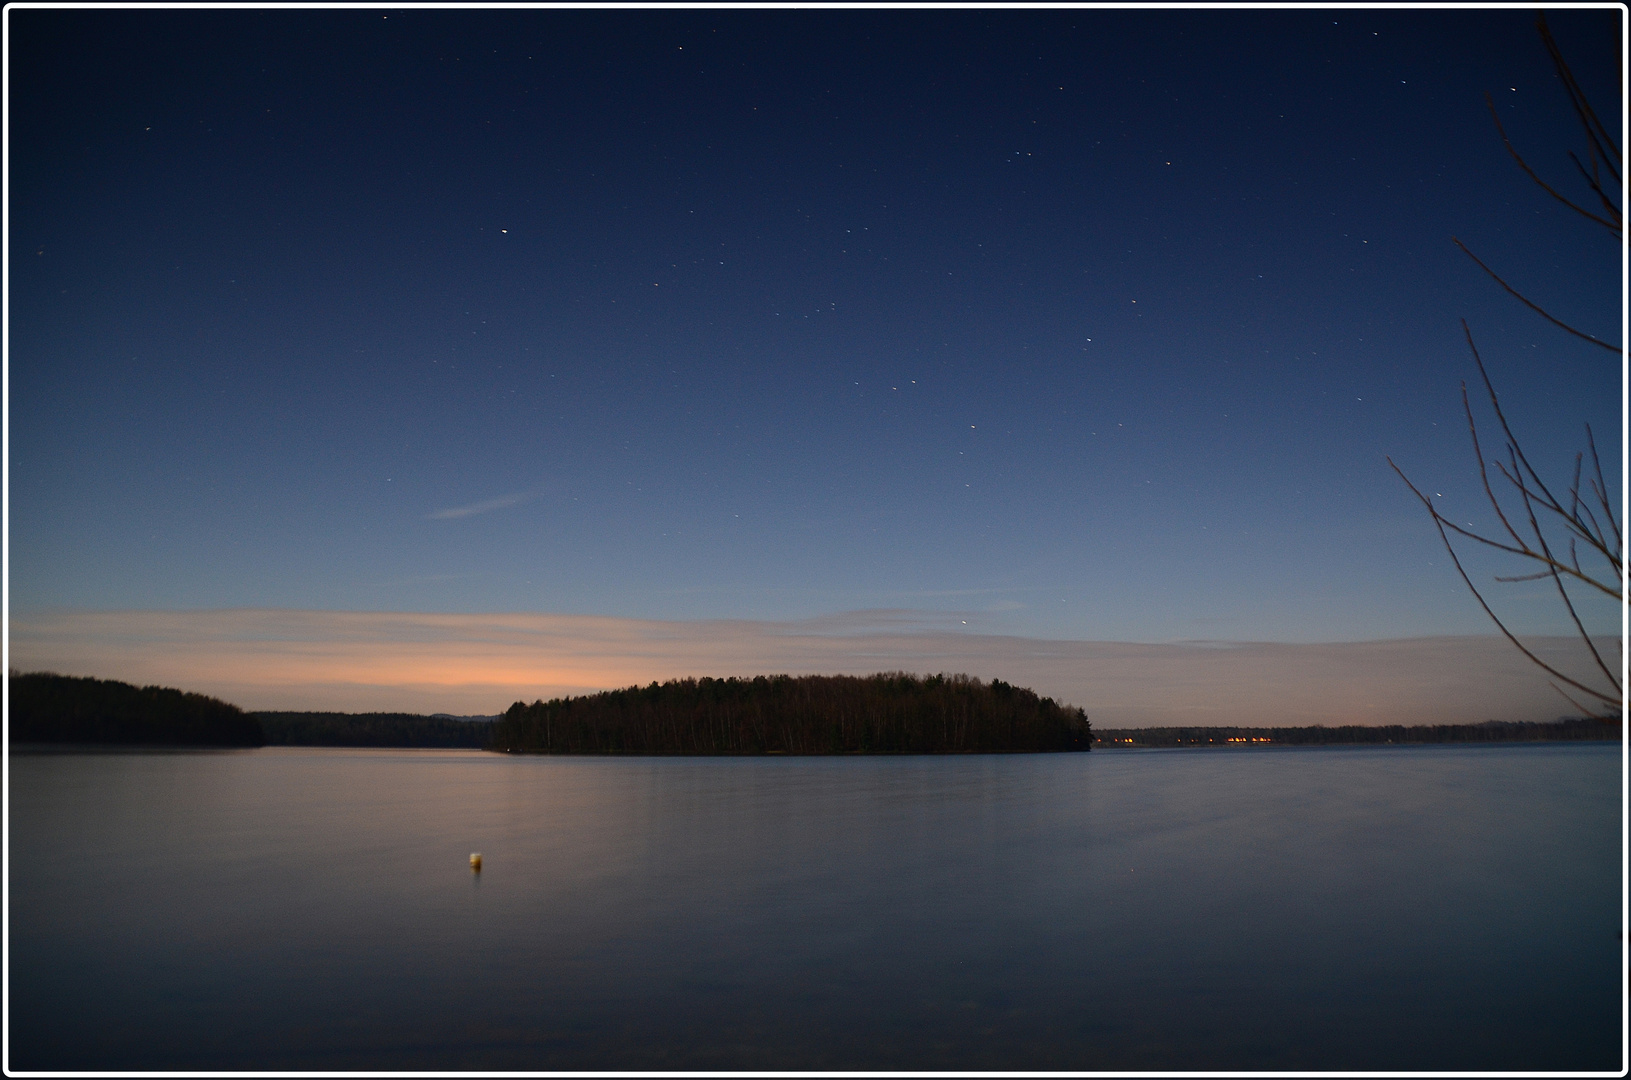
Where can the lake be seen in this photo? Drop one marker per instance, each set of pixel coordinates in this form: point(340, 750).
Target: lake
point(1337, 908)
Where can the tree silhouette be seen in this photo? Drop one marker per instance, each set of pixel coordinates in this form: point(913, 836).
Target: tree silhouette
point(891, 712)
point(49, 708)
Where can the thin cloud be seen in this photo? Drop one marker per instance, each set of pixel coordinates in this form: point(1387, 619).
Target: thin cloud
point(483, 507)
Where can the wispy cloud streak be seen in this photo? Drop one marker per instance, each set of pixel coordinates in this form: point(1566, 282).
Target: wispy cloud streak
point(467, 664)
point(483, 507)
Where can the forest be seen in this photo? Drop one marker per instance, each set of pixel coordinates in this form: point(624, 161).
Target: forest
point(1318, 735)
point(811, 714)
point(49, 708)
point(372, 729)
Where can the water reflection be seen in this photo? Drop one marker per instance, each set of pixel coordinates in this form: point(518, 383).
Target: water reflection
point(1398, 908)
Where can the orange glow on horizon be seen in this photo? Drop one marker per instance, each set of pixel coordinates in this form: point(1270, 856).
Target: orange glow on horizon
point(480, 663)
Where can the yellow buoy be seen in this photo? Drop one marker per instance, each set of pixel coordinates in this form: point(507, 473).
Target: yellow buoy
point(475, 861)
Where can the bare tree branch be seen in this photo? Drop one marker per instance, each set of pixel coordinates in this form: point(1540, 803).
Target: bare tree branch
point(1596, 133)
point(1583, 710)
point(1511, 439)
point(1483, 473)
point(1568, 604)
point(1531, 305)
point(1440, 522)
point(1611, 226)
point(1525, 577)
point(1595, 184)
point(1602, 488)
point(1578, 521)
point(1529, 553)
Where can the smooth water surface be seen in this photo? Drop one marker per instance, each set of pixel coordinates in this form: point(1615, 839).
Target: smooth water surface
point(1378, 908)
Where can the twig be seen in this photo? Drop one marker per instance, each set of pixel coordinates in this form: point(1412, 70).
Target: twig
point(1611, 226)
point(1549, 669)
point(1568, 604)
point(1483, 473)
point(1588, 713)
point(1531, 305)
point(1596, 133)
point(1530, 553)
point(1594, 183)
point(1602, 489)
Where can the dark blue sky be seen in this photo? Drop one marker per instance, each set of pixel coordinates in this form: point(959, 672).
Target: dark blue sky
point(1077, 323)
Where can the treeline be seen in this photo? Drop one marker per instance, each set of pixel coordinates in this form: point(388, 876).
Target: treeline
point(48, 708)
point(1319, 735)
point(372, 729)
point(812, 714)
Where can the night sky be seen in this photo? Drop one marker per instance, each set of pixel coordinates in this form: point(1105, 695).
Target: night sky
point(1073, 324)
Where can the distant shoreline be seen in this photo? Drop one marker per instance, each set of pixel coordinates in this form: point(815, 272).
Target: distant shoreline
point(1567, 730)
point(889, 713)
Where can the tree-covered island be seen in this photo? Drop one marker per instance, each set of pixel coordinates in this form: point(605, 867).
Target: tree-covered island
point(811, 714)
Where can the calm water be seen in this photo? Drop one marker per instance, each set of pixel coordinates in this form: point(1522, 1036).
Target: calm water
point(1345, 908)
